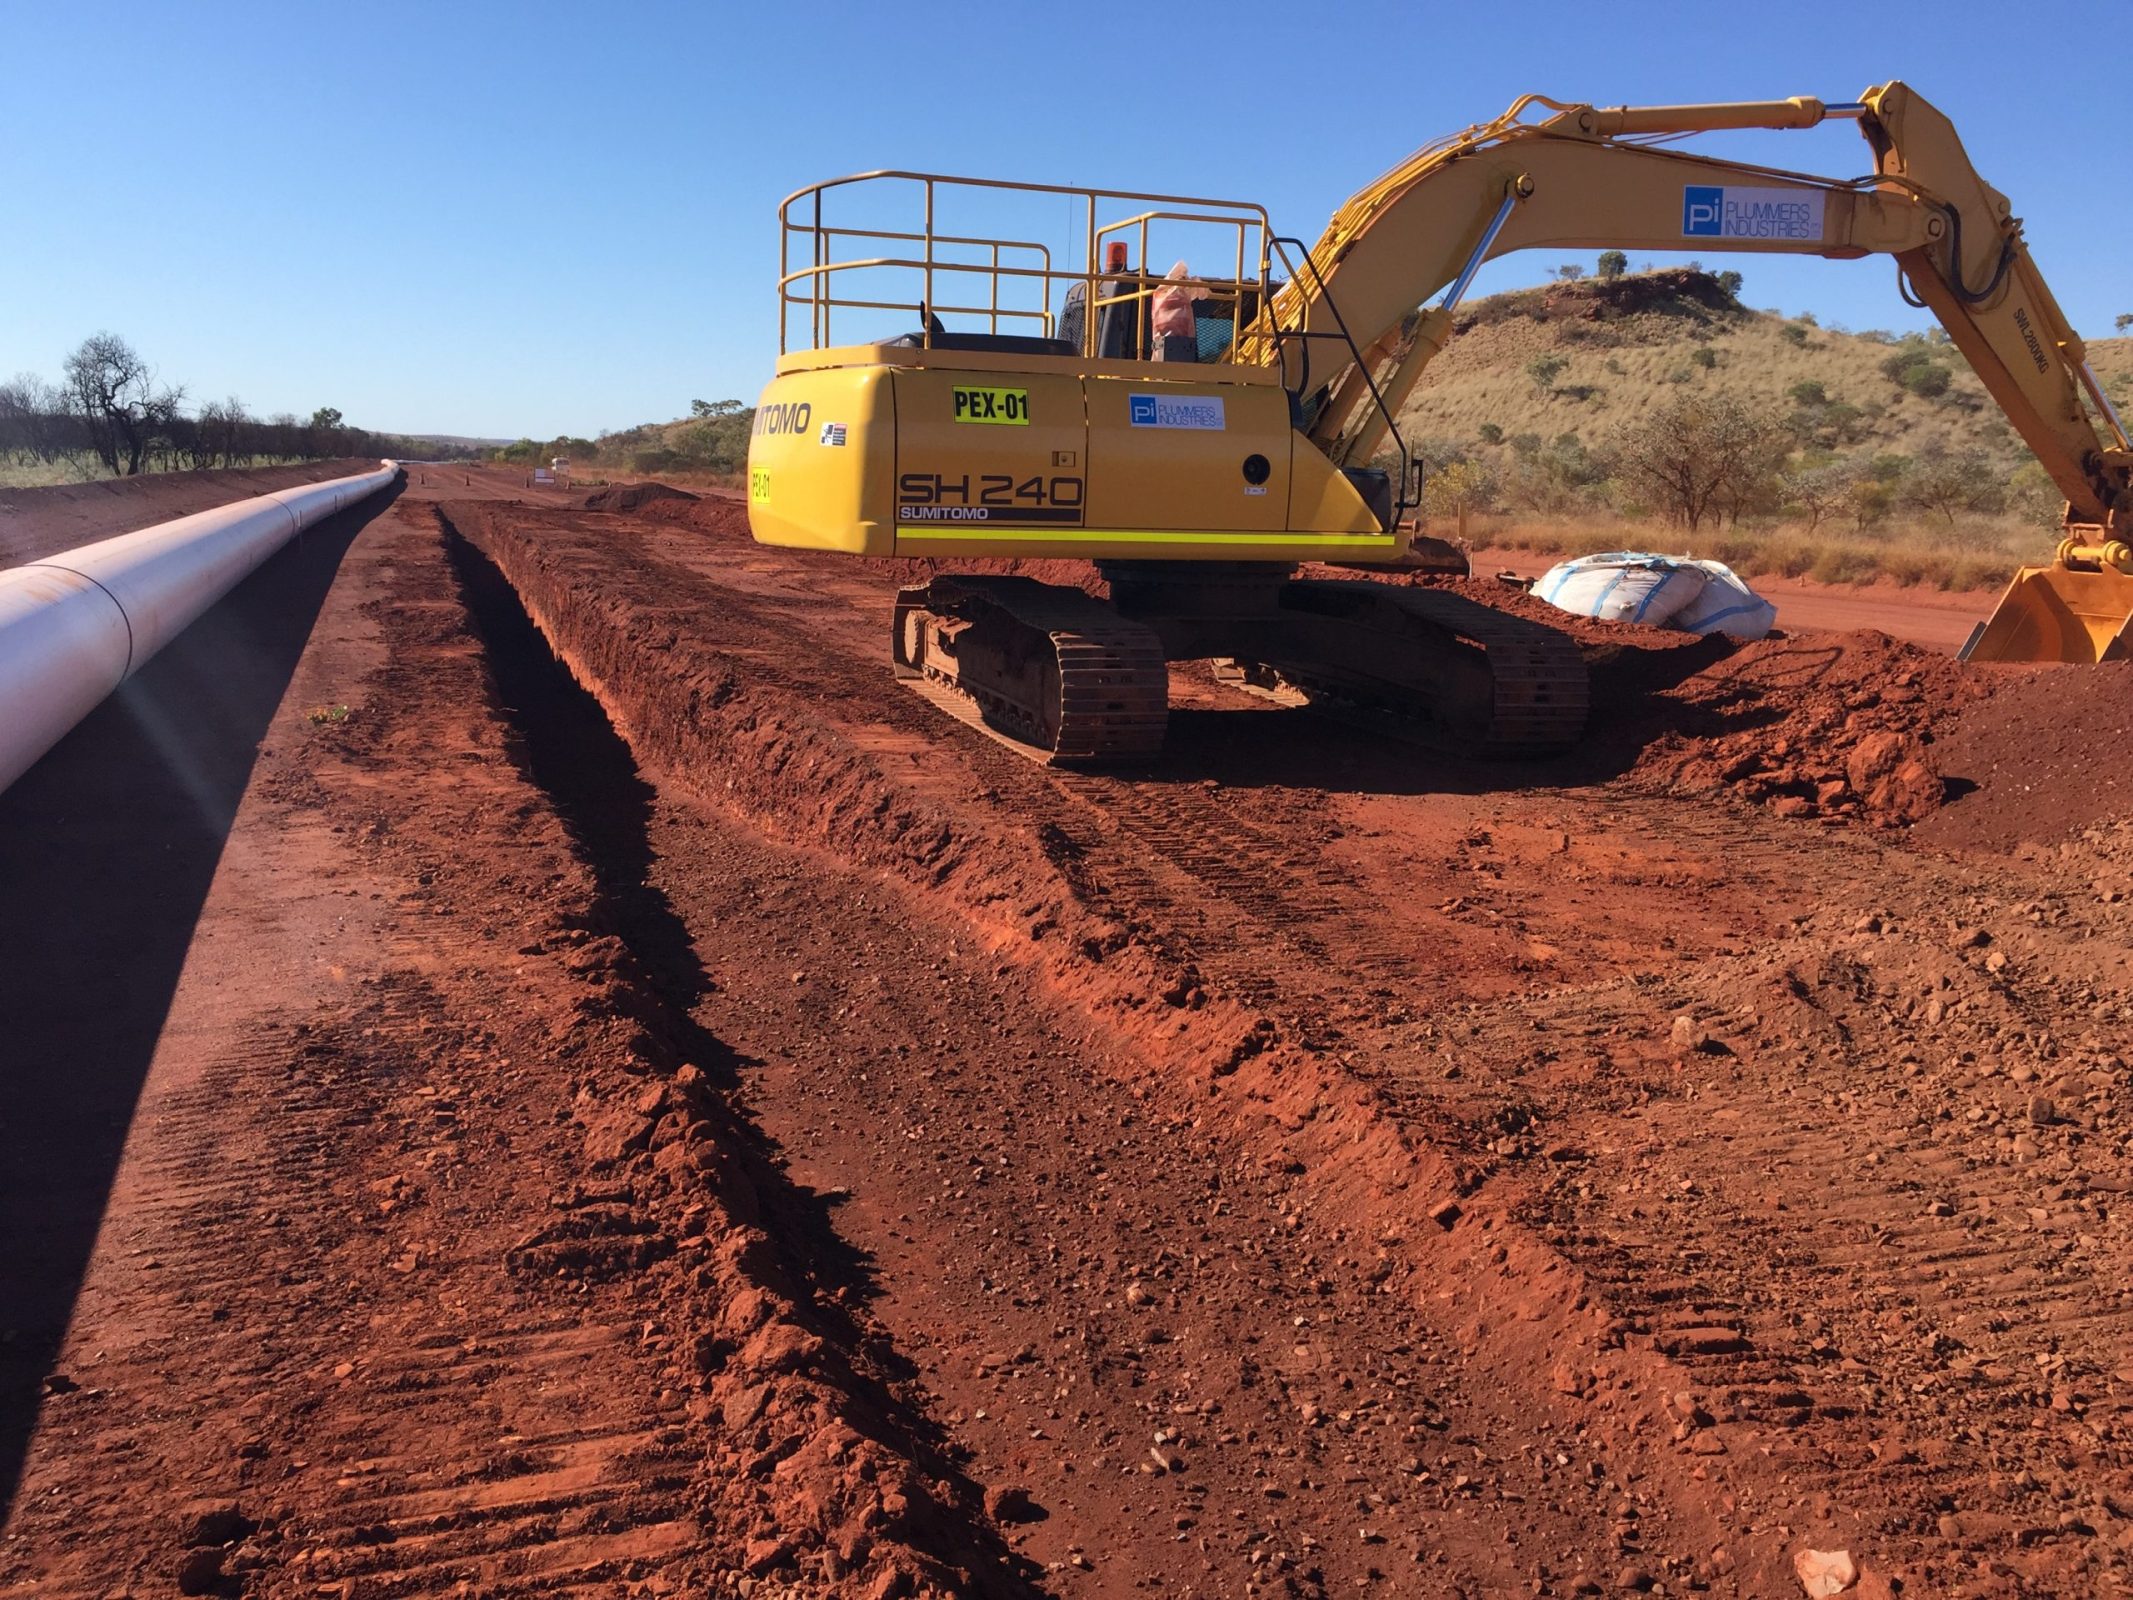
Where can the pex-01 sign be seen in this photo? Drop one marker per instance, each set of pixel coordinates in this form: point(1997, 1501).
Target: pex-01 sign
point(1725, 211)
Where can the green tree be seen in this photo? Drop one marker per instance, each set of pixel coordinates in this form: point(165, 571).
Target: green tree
point(325, 417)
point(2032, 496)
point(1820, 491)
point(1704, 356)
point(1490, 433)
point(1730, 283)
point(1699, 455)
point(1544, 370)
point(1929, 381)
point(1794, 333)
point(2125, 321)
point(1459, 486)
point(1613, 263)
point(1914, 368)
point(1868, 500)
point(1949, 481)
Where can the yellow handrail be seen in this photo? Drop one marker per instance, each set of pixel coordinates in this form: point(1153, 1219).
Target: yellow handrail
point(813, 283)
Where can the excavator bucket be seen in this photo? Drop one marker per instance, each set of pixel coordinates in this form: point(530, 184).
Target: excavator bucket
point(2059, 613)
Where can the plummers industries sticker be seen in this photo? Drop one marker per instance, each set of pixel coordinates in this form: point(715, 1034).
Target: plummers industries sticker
point(832, 433)
point(1732, 211)
point(1200, 412)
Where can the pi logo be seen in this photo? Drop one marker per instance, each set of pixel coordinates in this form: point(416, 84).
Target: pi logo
point(1703, 209)
point(1142, 413)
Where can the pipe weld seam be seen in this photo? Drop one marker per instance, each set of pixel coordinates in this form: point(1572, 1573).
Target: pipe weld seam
point(117, 604)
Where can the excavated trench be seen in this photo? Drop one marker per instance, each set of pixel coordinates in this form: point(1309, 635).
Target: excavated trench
point(564, 742)
point(562, 738)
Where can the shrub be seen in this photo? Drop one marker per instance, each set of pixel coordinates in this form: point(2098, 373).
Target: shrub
point(1613, 263)
point(1913, 368)
point(1463, 485)
point(1793, 333)
point(1700, 455)
point(1927, 381)
point(1952, 481)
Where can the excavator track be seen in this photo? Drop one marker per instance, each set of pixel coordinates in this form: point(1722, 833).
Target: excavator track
point(1054, 667)
point(1510, 686)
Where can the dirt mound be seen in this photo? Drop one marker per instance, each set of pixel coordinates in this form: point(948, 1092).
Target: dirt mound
point(1684, 293)
point(1810, 724)
point(634, 496)
point(2050, 751)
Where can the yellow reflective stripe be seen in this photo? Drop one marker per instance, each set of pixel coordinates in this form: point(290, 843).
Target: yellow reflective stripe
point(974, 532)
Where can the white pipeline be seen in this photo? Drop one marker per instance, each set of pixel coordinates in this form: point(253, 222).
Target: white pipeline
point(74, 626)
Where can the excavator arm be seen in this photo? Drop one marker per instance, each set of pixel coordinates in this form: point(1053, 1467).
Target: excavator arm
point(1586, 177)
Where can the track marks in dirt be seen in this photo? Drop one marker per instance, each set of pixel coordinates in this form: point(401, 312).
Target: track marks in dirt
point(436, 1247)
point(1880, 1258)
point(1740, 1222)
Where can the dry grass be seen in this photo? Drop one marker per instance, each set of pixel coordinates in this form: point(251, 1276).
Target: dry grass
point(1974, 554)
point(1620, 369)
point(44, 474)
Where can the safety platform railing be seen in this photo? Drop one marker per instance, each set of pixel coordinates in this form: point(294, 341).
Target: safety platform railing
point(1016, 280)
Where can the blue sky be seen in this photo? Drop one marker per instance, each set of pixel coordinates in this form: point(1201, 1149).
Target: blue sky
point(527, 218)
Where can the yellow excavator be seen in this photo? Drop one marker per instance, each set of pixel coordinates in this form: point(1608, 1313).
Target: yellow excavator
point(1200, 436)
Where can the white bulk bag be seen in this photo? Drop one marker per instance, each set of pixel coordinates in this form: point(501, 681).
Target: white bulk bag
point(1726, 605)
point(1623, 586)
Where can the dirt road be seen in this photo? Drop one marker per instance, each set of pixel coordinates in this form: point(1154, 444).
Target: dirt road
point(684, 1117)
point(1936, 619)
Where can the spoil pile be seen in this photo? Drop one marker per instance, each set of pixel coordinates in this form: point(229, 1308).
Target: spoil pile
point(1816, 724)
point(636, 497)
point(1810, 724)
point(2049, 751)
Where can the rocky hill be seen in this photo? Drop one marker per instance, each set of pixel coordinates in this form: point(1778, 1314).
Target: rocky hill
point(1595, 355)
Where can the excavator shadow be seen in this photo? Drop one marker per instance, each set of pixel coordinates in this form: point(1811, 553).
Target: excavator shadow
point(1345, 749)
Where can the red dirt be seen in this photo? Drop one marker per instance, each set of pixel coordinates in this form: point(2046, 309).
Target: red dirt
point(635, 497)
point(2049, 753)
point(41, 522)
point(820, 1146)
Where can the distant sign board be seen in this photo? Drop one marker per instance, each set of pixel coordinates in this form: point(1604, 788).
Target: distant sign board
point(543, 475)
